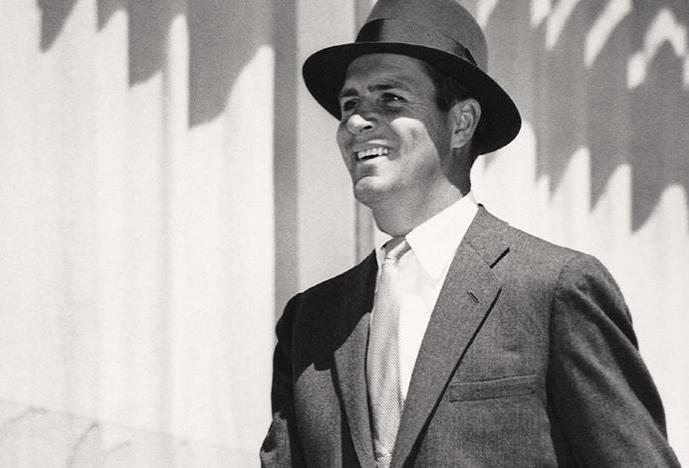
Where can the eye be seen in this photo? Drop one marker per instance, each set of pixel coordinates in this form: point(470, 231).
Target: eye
point(392, 98)
point(347, 105)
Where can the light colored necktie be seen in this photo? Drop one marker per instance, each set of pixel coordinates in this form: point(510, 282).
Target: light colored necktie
point(382, 360)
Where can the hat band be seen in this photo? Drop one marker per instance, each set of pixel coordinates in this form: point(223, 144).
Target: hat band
point(394, 30)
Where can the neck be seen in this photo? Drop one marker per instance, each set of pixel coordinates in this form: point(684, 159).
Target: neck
point(398, 217)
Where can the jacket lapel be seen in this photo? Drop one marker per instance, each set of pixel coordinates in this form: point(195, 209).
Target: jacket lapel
point(467, 296)
point(351, 330)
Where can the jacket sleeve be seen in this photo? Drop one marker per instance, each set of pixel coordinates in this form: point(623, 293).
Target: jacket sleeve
point(601, 394)
point(281, 447)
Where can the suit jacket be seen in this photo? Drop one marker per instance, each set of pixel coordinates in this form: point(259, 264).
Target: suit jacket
point(529, 359)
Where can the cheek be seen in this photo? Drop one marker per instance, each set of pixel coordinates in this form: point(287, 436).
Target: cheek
point(418, 145)
point(343, 142)
point(412, 133)
point(420, 138)
point(340, 135)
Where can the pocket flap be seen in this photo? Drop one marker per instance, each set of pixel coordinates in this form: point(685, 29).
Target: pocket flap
point(496, 388)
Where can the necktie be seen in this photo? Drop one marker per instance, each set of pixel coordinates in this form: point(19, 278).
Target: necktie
point(382, 360)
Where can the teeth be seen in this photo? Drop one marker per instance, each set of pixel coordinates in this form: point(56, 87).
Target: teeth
point(377, 151)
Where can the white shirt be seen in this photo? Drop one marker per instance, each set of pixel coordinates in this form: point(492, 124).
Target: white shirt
point(423, 270)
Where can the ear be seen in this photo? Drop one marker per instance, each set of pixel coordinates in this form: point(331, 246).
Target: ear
point(464, 116)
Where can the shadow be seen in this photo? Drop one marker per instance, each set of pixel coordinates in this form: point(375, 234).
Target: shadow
point(660, 110)
point(285, 165)
point(107, 8)
point(573, 106)
point(569, 104)
point(223, 37)
point(54, 14)
point(149, 22)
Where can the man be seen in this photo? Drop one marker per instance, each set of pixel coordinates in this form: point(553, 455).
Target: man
point(462, 341)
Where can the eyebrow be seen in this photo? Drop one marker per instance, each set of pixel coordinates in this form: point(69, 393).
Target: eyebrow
point(389, 84)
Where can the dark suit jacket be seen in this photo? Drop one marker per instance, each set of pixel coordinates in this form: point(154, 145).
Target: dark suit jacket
point(529, 359)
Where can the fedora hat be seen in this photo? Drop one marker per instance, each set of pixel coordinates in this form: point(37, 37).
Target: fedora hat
point(440, 32)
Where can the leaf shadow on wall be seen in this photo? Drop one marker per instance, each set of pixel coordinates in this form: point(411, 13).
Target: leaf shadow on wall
point(54, 13)
point(223, 37)
point(573, 106)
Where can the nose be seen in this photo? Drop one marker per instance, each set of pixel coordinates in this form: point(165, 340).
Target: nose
point(358, 123)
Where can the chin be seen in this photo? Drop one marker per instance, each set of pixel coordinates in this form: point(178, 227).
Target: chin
point(369, 191)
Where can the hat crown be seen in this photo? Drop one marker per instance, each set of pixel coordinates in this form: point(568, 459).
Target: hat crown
point(447, 17)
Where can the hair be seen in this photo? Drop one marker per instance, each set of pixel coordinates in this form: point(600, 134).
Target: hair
point(448, 90)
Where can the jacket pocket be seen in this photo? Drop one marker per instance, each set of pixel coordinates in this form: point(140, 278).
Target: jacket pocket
point(496, 388)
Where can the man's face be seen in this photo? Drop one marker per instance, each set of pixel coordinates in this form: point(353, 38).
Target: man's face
point(392, 135)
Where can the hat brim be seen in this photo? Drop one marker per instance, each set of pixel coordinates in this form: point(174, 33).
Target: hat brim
point(324, 73)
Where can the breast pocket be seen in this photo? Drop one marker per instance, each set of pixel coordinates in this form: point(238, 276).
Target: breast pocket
point(495, 388)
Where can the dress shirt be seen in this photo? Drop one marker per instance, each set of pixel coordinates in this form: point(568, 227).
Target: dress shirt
point(423, 270)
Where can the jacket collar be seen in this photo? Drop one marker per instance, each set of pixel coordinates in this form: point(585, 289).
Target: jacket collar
point(351, 329)
point(469, 293)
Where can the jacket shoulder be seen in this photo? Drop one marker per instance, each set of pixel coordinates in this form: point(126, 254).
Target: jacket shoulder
point(334, 290)
point(496, 237)
point(344, 281)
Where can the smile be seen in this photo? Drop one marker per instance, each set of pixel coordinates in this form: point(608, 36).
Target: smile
point(372, 152)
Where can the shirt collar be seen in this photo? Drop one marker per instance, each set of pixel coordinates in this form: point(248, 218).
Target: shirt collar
point(435, 241)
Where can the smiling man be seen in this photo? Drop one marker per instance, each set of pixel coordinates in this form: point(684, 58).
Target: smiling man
point(397, 143)
point(461, 341)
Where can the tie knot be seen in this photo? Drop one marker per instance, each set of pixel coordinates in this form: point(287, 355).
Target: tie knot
point(395, 248)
